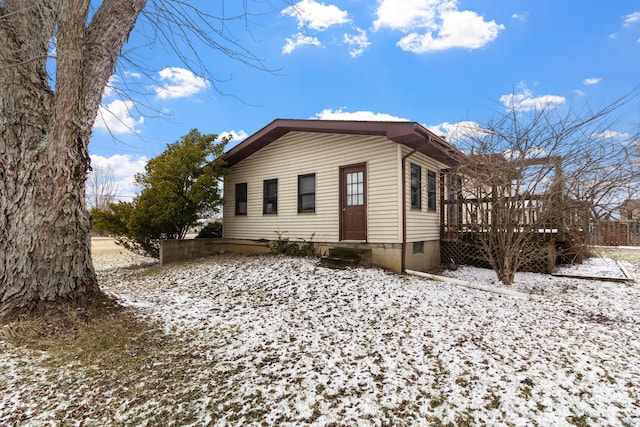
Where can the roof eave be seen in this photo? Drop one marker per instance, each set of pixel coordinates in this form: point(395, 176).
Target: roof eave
point(410, 134)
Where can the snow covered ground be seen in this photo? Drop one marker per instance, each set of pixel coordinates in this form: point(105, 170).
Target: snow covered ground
point(280, 341)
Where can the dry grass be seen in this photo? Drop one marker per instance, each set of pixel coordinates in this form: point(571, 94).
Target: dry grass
point(105, 246)
point(630, 255)
point(108, 256)
point(624, 254)
point(89, 333)
point(97, 355)
point(82, 331)
point(68, 329)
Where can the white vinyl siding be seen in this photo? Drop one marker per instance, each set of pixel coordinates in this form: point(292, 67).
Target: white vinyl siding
point(301, 153)
point(422, 224)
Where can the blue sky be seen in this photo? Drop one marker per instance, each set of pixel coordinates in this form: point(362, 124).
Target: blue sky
point(437, 62)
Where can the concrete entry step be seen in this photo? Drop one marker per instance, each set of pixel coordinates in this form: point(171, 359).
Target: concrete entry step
point(343, 257)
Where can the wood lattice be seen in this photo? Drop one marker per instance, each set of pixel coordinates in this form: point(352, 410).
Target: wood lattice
point(466, 250)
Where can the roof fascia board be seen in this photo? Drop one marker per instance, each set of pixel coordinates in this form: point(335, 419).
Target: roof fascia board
point(410, 134)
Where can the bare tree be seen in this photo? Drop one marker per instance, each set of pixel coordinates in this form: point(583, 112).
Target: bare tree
point(45, 125)
point(537, 177)
point(102, 189)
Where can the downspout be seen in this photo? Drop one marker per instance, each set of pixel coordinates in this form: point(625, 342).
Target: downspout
point(404, 200)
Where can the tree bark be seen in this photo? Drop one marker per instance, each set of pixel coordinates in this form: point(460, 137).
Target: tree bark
point(45, 247)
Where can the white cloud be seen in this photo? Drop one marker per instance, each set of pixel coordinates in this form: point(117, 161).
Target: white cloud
point(116, 118)
point(519, 16)
point(340, 114)
point(454, 132)
point(358, 42)
point(109, 89)
point(591, 81)
point(316, 15)
point(459, 29)
point(435, 25)
point(631, 19)
point(406, 15)
point(233, 136)
point(299, 40)
point(124, 167)
point(529, 153)
point(179, 83)
point(525, 101)
point(611, 134)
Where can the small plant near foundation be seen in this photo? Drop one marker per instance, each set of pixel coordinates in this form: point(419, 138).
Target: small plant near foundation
point(283, 246)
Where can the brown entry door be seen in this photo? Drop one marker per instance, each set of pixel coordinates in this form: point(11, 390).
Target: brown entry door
point(353, 202)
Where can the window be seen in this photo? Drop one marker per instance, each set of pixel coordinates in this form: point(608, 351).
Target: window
point(418, 247)
point(270, 193)
point(307, 193)
point(355, 189)
point(241, 199)
point(431, 190)
point(416, 186)
point(454, 187)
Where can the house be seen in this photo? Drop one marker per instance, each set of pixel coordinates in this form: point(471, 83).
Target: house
point(630, 211)
point(630, 219)
point(366, 184)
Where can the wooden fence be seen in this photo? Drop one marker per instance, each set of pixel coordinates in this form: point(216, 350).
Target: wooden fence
point(614, 233)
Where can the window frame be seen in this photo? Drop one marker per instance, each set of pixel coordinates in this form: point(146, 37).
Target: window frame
point(269, 199)
point(301, 209)
point(238, 200)
point(415, 192)
point(432, 193)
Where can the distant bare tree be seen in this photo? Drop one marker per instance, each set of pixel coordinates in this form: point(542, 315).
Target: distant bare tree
point(102, 189)
point(540, 171)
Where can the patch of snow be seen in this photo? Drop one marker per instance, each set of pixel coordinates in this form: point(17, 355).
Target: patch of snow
point(595, 267)
point(291, 343)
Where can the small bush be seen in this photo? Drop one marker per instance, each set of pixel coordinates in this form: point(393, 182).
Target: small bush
point(118, 221)
point(284, 247)
point(211, 230)
point(574, 249)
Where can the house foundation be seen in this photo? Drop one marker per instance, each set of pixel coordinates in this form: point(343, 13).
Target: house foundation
point(385, 255)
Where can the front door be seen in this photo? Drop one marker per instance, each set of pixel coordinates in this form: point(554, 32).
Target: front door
point(353, 202)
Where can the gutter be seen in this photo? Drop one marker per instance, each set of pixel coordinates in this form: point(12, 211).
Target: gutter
point(404, 196)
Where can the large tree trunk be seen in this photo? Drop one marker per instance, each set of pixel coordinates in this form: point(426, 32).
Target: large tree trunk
point(45, 248)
